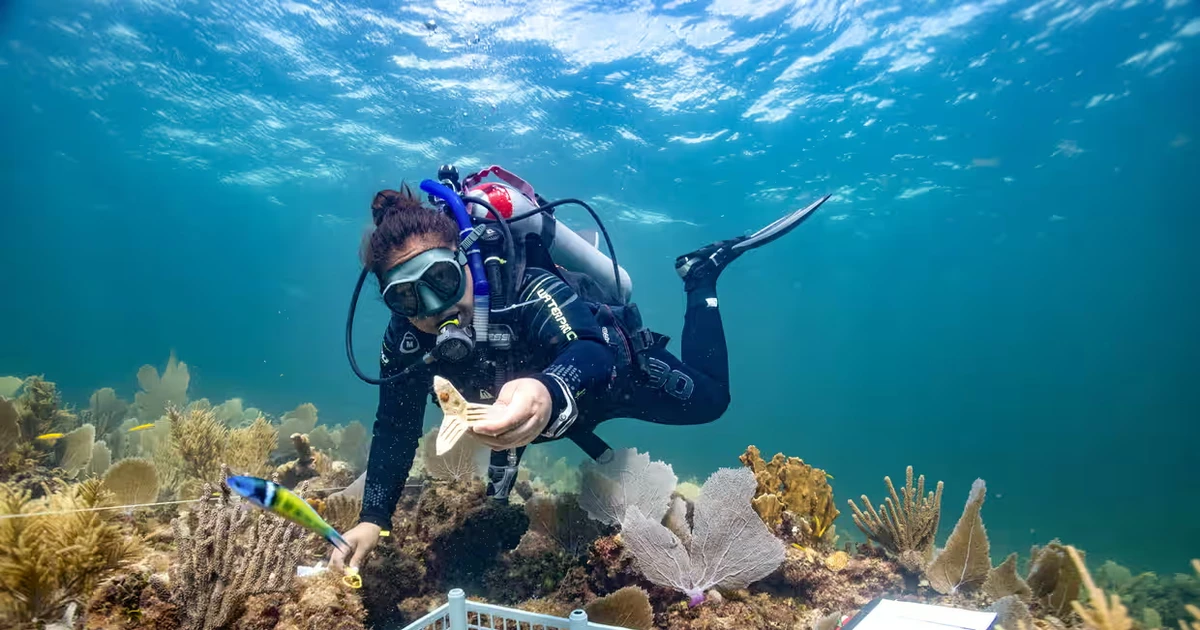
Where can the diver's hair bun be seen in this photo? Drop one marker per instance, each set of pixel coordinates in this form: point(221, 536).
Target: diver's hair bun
point(388, 201)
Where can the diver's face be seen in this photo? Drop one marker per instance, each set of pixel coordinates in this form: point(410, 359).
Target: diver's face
point(464, 309)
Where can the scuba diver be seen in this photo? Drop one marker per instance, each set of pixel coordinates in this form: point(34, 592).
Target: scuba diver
point(489, 291)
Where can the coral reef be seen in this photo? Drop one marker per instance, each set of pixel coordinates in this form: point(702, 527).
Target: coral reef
point(54, 551)
point(908, 527)
point(793, 498)
point(755, 547)
point(225, 554)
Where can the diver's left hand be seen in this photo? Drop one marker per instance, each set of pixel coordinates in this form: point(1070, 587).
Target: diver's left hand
point(520, 413)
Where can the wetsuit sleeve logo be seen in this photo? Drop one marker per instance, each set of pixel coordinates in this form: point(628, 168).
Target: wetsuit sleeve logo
point(557, 314)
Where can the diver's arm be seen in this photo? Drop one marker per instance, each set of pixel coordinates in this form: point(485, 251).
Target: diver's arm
point(563, 326)
point(398, 422)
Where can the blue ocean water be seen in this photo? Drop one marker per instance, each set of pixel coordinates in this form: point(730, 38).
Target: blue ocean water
point(1002, 286)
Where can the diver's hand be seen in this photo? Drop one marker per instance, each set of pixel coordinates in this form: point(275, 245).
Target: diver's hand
point(362, 539)
point(520, 413)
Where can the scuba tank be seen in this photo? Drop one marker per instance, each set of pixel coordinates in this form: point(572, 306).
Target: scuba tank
point(517, 203)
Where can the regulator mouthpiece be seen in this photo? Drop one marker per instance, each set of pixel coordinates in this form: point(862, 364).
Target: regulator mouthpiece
point(454, 343)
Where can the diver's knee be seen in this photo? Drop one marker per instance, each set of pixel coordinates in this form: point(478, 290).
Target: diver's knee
point(714, 406)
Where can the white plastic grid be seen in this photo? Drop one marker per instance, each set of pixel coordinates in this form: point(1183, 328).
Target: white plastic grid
point(459, 614)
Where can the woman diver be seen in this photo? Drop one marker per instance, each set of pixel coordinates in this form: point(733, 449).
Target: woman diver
point(563, 351)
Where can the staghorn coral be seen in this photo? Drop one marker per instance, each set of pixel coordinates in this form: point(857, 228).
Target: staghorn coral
point(225, 554)
point(467, 460)
point(249, 448)
point(788, 485)
point(53, 555)
point(628, 607)
point(908, 527)
point(160, 393)
point(132, 481)
point(965, 562)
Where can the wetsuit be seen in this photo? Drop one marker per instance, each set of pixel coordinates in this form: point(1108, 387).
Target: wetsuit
point(604, 376)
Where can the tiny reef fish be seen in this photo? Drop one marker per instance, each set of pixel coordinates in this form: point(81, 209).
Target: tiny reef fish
point(271, 496)
point(50, 436)
point(142, 427)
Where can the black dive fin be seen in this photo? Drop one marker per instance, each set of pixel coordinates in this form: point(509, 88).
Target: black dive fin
point(779, 227)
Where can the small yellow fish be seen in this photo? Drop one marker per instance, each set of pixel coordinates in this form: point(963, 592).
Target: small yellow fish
point(142, 427)
point(49, 436)
point(828, 476)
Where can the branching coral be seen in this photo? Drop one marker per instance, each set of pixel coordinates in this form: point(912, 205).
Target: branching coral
point(41, 409)
point(227, 553)
point(249, 450)
point(54, 554)
point(787, 485)
point(323, 603)
point(1101, 613)
point(908, 527)
point(198, 445)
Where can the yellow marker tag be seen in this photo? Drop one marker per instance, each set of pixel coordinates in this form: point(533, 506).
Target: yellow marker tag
point(385, 533)
point(352, 578)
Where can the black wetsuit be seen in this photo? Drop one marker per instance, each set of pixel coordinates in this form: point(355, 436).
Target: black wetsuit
point(608, 377)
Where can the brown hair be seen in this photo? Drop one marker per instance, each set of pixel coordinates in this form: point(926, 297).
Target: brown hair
point(399, 216)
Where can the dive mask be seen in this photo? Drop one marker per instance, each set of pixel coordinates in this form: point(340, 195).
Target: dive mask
point(426, 284)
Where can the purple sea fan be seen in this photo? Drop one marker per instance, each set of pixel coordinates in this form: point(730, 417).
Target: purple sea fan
point(730, 546)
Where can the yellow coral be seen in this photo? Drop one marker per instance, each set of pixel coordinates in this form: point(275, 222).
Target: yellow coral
point(787, 484)
point(198, 441)
point(49, 559)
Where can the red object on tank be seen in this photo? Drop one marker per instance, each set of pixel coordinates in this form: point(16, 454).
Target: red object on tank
point(497, 195)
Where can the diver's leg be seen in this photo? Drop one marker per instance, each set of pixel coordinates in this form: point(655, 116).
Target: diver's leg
point(502, 473)
point(706, 264)
point(673, 392)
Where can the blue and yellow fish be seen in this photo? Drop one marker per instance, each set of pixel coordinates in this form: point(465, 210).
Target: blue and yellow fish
point(278, 499)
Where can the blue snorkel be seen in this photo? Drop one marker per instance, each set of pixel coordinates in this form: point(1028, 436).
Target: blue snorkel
point(469, 242)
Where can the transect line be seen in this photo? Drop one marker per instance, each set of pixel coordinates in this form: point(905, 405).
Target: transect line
point(134, 505)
